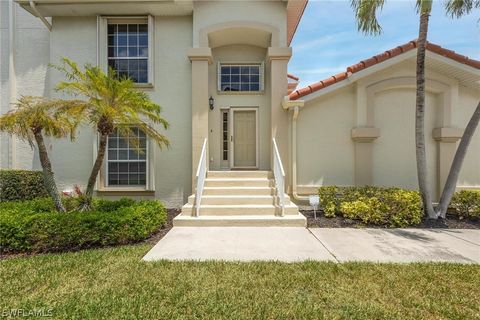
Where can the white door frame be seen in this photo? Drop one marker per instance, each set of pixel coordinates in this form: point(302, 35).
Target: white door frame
point(231, 129)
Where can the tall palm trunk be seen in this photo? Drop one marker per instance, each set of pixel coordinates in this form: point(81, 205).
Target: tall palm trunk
point(47, 172)
point(452, 178)
point(96, 169)
point(420, 117)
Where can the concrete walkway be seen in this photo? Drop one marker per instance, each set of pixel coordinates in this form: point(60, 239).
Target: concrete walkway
point(287, 244)
point(319, 244)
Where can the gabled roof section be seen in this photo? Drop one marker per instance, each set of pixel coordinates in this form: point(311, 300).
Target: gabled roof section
point(295, 10)
point(364, 64)
point(293, 77)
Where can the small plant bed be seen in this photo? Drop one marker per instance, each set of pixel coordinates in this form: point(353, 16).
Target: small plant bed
point(375, 207)
point(452, 222)
point(34, 226)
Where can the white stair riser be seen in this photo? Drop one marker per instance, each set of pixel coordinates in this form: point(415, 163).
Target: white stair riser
point(254, 210)
point(239, 183)
point(238, 199)
point(239, 174)
point(239, 191)
point(277, 222)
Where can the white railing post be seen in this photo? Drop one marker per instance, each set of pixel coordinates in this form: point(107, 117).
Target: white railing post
point(279, 175)
point(200, 178)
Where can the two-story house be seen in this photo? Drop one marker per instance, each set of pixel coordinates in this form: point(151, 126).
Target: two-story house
point(244, 142)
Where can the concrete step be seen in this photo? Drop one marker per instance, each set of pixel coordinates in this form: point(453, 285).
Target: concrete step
point(241, 210)
point(240, 174)
point(235, 199)
point(238, 191)
point(239, 182)
point(297, 220)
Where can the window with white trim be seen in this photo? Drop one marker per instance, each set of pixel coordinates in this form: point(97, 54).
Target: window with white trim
point(240, 77)
point(129, 48)
point(127, 159)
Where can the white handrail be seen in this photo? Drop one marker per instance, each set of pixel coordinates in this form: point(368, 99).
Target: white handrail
point(279, 175)
point(200, 178)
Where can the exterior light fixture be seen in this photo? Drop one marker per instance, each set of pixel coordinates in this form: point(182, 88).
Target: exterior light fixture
point(210, 102)
point(314, 201)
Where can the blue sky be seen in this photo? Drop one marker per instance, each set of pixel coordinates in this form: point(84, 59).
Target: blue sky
point(327, 40)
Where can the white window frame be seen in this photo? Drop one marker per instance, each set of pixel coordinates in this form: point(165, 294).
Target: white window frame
point(147, 169)
point(261, 79)
point(102, 42)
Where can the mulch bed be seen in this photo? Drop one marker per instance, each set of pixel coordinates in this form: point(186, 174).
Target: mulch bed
point(451, 222)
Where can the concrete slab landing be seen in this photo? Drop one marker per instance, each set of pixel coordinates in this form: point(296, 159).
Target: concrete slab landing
point(287, 244)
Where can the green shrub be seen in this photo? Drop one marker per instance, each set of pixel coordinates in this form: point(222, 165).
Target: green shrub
point(21, 185)
point(393, 207)
point(329, 200)
point(28, 227)
point(466, 203)
point(368, 210)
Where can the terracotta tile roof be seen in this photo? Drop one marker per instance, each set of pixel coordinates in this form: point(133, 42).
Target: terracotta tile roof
point(380, 58)
point(291, 76)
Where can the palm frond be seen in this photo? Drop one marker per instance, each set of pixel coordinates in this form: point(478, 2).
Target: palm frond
point(108, 99)
point(424, 6)
point(37, 114)
point(459, 8)
point(366, 15)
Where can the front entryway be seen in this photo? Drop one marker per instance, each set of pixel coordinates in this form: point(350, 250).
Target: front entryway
point(244, 138)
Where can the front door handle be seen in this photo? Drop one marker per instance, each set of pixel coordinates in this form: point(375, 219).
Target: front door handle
point(231, 138)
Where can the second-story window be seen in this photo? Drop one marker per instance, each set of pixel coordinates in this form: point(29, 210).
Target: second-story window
point(128, 50)
point(240, 77)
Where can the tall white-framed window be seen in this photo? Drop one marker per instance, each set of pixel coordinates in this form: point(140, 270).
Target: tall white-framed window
point(240, 77)
point(126, 45)
point(127, 161)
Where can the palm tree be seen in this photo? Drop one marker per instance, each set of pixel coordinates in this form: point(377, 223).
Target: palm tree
point(110, 103)
point(32, 118)
point(366, 15)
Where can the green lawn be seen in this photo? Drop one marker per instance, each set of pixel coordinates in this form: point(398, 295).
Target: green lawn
point(115, 284)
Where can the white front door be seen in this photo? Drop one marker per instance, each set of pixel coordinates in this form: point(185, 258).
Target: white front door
point(244, 134)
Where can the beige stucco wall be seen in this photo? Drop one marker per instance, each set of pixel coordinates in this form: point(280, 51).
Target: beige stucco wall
point(172, 90)
point(223, 100)
point(394, 161)
point(30, 53)
point(384, 101)
point(470, 173)
point(325, 149)
point(210, 13)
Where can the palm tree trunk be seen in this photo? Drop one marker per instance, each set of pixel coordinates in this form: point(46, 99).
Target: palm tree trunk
point(452, 178)
point(96, 169)
point(48, 177)
point(420, 118)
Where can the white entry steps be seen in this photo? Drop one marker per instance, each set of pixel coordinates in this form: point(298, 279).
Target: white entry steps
point(240, 198)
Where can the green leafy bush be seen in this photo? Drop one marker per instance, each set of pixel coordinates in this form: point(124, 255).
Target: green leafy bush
point(34, 226)
point(393, 207)
point(329, 200)
point(21, 185)
point(466, 203)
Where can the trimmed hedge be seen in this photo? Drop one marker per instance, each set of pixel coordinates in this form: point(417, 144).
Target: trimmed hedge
point(466, 204)
point(35, 226)
point(393, 207)
point(21, 185)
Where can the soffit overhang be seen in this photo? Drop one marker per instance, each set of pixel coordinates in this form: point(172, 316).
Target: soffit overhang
point(65, 8)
